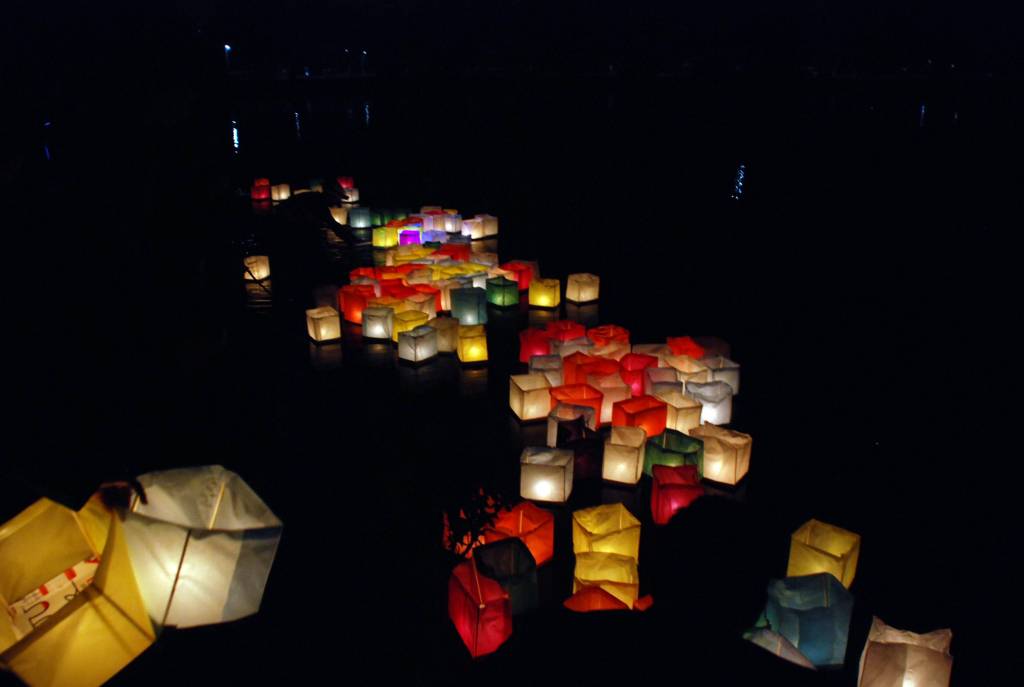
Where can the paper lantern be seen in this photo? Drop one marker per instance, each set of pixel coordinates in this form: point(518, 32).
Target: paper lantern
point(564, 413)
point(533, 342)
point(323, 324)
point(589, 599)
point(567, 348)
point(663, 379)
point(609, 528)
point(571, 362)
point(591, 366)
point(378, 323)
point(451, 222)
point(898, 658)
point(473, 228)
point(819, 547)
point(72, 571)
point(339, 214)
point(548, 365)
point(260, 189)
point(613, 350)
point(673, 448)
point(352, 300)
point(624, 455)
point(777, 644)
point(659, 351)
point(578, 394)
point(384, 237)
point(641, 411)
point(407, 321)
point(479, 609)
point(613, 390)
point(490, 224)
point(545, 474)
point(565, 330)
point(472, 344)
point(426, 303)
point(684, 345)
point(359, 218)
point(447, 334)
point(502, 292)
point(688, 369)
point(257, 267)
point(715, 399)
point(529, 396)
point(351, 195)
point(346, 182)
point(202, 546)
point(545, 293)
point(510, 563)
point(726, 453)
point(523, 271)
point(813, 613)
point(608, 333)
point(408, 237)
point(469, 305)
point(396, 305)
point(534, 526)
point(723, 370)
point(615, 574)
point(672, 489)
point(633, 366)
point(682, 412)
point(417, 345)
point(280, 192)
point(582, 287)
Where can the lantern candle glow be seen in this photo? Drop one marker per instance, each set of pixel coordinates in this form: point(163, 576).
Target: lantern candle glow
point(545, 474)
point(624, 455)
point(533, 342)
point(813, 612)
point(726, 453)
point(378, 323)
point(535, 526)
point(469, 305)
point(578, 394)
point(613, 390)
point(610, 528)
point(479, 608)
point(447, 334)
point(407, 321)
point(472, 344)
point(417, 345)
point(529, 396)
point(672, 489)
point(582, 287)
point(323, 324)
point(502, 292)
point(633, 366)
point(899, 658)
point(545, 293)
point(683, 412)
point(715, 399)
point(257, 267)
point(641, 411)
point(613, 573)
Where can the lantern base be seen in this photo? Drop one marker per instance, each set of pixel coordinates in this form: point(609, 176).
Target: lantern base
point(576, 302)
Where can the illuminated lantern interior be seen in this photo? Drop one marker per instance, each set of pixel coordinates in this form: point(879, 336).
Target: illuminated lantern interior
point(385, 237)
point(346, 182)
point(673, 448)
point(352, 195)
point(323, 324)
point(452, 222)
point(473, 228)
point(510, 563)
point(571, 362)
point(359, 218)
point(672, 489)
point(545, 474)
point(545, 293)
point(529, 396)
point(812, 612)
point(632, 367)
point(613, 390)
point(683, 412)
point(280, 192)
point(257, 267)
point(489, 223)
point(469, 305)
point(533, 342)
point(417, 345)
point(609, 333)
point(433, 291)
point(613, 573)
point(715, 399)
point(565, 330)
point(582, 288)
point(724, 370)
point(567, 414)
point(535, 526)
point(820, 547)
point(589, 599)
point(396, 305)
point(624, 455)
point(426, 303)
point(548, 365)
point(689, 370)
point(641, 411)
point(523, 271)
point(609, 528)
point(378, 323)
point(407, 321)
point(613, 350)
point(898, 658)
point(339, 214)
point(260, 189)
point(661, 379)
point(352, 300)
point(479, 608)
point(578, 394)
point(502, 292)
point(726, 453)
point(447, 333)
point(593, 366)
point(472, 344)
point(684, 345)
point(409, 237)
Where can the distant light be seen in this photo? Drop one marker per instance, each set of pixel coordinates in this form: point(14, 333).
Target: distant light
point(46, 150)
point(47, 124)
point(234, 135)
point(364, 52)
point(227, 48)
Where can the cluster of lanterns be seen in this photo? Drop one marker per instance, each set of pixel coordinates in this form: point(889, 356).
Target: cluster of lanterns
point(87, 591)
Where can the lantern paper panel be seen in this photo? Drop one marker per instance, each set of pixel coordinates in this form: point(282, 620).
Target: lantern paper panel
point(571, 362)
point(673, 448)
point(613, 390)
point(545, 293)
point(592, 366)
point(395, 305)
point(545, 474)
point(613, 573)
point(426, 303)
point(685, 345)
point(447, 333)
point(257, 267)
point(609, 528)
point(469, 305)
point(565, 330)
point(472, 344)
point(409, 237)
point(609, 333)
point(202, 546)
point(624, 455)
point(667, 377)
point(407, 321)
point(323, 324)
point(819, 547)
point(280, 192)
point(529, 396)
point(777, 644)
point(502, 292)
point(533, 342)
point(715, 399)
point(589, 599)
point(582, 287)
point(683, 412)
point(260, 189)
point(633, 366)
point(352, 300)
point(899, 658)
point(473, 228)
point(565, 413)
point(535, 526)
point(726, 453)
point(659, 351)
point(385, 237)
point(378, 323)
point(548, 365)
point(523, 271)
point(351, 195)
point(641, 411)
point(578, 394)
point(339, 214)
point(490, 224)
point(813, 612)
point(346, 182)
point(359, 218)
point(479, 608)
point(672, 489)
point(724, 370)
point(688, 369)
point(417, 345)
point(510, 563)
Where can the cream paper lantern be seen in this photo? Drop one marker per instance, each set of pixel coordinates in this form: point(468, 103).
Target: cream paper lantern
point(726, 453)
point(257, 267)
point(683, 411)
point(548, 365)
point(567, 412)
point(280, 192)
point(473, 228)
point(529, 396)
point(490, 224)
point(417, 345)
point(613, 573)
point(723, 370)
point(452, 223)
point(614, 390)
point(447, 333)
point(715, 399)
point(202, 546)
point(624, 455)
point(582, 287)
point(378, 323)
point(689, 370)
point(352, 195)
point(899, 658)
point(339, 214)
point(323, 324)
point(545, 474)
point(667, 377)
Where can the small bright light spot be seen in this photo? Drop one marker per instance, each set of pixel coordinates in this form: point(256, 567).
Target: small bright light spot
point(227, 48)
point(543, 489)
point(234, 135)
point(364, 52)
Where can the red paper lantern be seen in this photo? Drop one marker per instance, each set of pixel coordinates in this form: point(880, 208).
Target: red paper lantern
point(535, 526)
point(673, 489)
point(456, 251)
point(608, 333)
point(364, 273)
point(589, 599)
point(346, 182)
point(479, 608)
point(571, 363)
point(684, 345)
point(427, 288)
point(533, 342)
point(566, 330)
point(580, 395)
point(352, 301)
point(260, 189)
point(523, 271)
point(633, 366)
point(596, 366)
point(640, 411)
point(400, 291)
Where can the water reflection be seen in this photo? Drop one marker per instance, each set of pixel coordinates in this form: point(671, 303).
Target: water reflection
point(529, 433)
point(379, 354)
point(472, 381)
point(427, 376)
point(587, 314)
point(539, 317)
point(259, 296)
point(325, 356)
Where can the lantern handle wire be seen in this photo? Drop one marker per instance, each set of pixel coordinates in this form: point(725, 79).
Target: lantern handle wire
point(476, 579)
point(216, 507)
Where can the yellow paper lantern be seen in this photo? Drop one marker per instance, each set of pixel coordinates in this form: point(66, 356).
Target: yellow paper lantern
point(726, 453)
point(614, 390)
point(425, 303)
point(624, 455)
point(819, 547)
point(472, 344)
point(545, 293)
point(899, 658)
point(545, 474)
point(613, 573)
point(406, 321)
point(529, 396)
point(447, 333)
point(683, 411)
point(608, 529)
point(688, 369)
point(339, 214)
point(323, 323)
point(384, 237)
point(396, 305)
point(661, 379)
point(280, 192)
point(257, 267)
point(582, 287)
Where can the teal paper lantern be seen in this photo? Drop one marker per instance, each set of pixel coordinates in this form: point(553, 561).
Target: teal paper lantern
point(469, 305)
point(673, 448)
point(502, 292)
point(813, 613)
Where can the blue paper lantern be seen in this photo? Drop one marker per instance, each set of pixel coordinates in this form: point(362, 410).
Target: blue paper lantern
point(469, 305)
point(813, 613)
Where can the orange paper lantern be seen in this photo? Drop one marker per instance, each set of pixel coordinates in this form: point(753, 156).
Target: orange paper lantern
point(535, 526)
point(580, 395)
point(641, 411)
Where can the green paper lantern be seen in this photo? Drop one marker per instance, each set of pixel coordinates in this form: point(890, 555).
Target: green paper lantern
point(673, 448)
point(502, 292)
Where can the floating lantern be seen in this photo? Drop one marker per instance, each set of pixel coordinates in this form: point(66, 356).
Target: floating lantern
point(565, 414)
point(534, 526)
point(351, 195)
point(280, 192)
point(447, 334)
point(396, 305)
point(260, 189)
point(632, 367)
point(472, 344)
point(523, 271)
point(529, 396)
point(353, 299)
point(419, 276)
point(548, 365)
point(578, 394)
point(545, 474)
point(608, 529)
point(409, 237)
point(641, 411)
point(418, 344)
point(456, 251)
point(571, 362)
point(613, 390)
point(684, 345)
point(672, 489)
point(323, 324)
point(592, 367)
point(898, 658)
point(724, 370)
point(432, 236)
point(545, 293)
point(567, 348)
point(813, 613)
point(339, 214)
point(715, 399)
point(608, 333)
point(433, 291)
point(407, 321)
point(72, 572)
point(565, 330)
point(777, 644)
point(582, 288)
point(399, 291)
point(673, 448)
point(819, 547)
point(615, 574)
point(624, 455)
point(502, 292)
point(510, 563)
point(384, 237)
point(359, 218)
point(613, 350)
point(426, 303)
point(589, 599)
point(346, 182)
point(479, 609)
point(689, 370)
point(469, 305)
point(378, 323)
point(666, 377)
point(473, 228)
point(451, 222)
point(726, 453)
point(533, 342)
point(490, 224)
point(683, 412)
point(257, 267)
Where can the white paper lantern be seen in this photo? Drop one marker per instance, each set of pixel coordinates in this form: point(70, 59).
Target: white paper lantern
point(723, 370)
point(433, 235)
point(624, 455)
point(257, 267)
point(726, 453)
point(447, 333)
point(689, 370)
point(899, 658)
point(545, 474)
point(654, 376)
point(359, 218)
point(567, 412)
point(529, 396)
point(280, 192)
point(548, 365)
point(490, 224)
point(715, 399)
point(473, 228)
point(683, 412)
point(417, 345)
point(613, 388)
point(352, 195)
point(323, 323)
point(378, 323)
point(452, 223)
point(567, 348)
point(582, 287)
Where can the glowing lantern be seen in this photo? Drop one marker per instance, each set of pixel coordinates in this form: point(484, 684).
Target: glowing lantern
point(545, 474)
point(567, 348)
point(378, 323)
point(426, 303)
point(613, 350)
point(469, 305)
point(385, 237)
point(820, 547)
point(523, 271)
point(661, 379)
point(529, 396)
point(323, 324)
point(624, 455)
point(578, 394)
point(451, 222)
point(641, 411)
point(456, 251)
point(201, 546)
point(399, 291)
point(593, 366)
point(589, 599)
point(633, 366)
point(479, 609)
point(502, 292)
point(689, 370)
point(534, 526)
point(684, 345)
point(613, 390)
point(473, 228)
point(813, 613)
point(715, 399)
point(351, 195)
point(260, 189)
point(548, 365)
point(280, 192)
point(510, 563)
point(339, 214)
point(346, 182)
point(545, 293)
point(533, 342)
point(407, 321)
point(673, 448)
point(672, 489)
point(490, 224)
point(566, 414)
point(726, 453)
point(472, 344)
point(447, 334)
point(352, 300)
point(72, 572)
point(417, 345)
point(409, 237)
point(359, 218)
point(724, 370)
point(617, 575)
point(898, 658)
point(565, 330)
point(582, 288)
point(257, 267)
point(608, 333)
point(396, 305)
point(607, 529)
point(683, 412)
point(571, 362)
